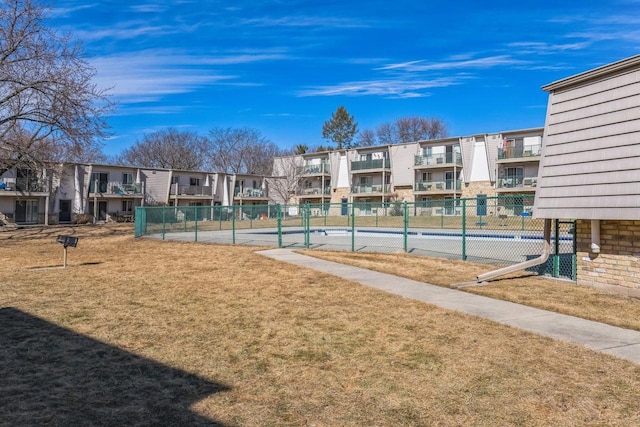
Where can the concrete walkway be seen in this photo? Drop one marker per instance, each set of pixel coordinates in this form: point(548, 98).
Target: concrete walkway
point(619, 342)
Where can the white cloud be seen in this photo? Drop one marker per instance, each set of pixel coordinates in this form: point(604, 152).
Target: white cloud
point(390, 88)
point(306, 21)
point(486, 62)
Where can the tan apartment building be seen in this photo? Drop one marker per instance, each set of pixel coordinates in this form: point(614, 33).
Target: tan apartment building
point(76, 192)
point(435, 174)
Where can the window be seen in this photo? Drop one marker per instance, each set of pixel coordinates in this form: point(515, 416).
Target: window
point(127, 206)
point(427, 176)
point(194, 181)
point(127, 178)
point(195, 203)
point(175, 179)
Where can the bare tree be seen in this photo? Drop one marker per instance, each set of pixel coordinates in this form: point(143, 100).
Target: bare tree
point(387, 134)
point(49, 107)
point(287, 178)
point(241, 151)
point(411, 129)
point(169, 149)
point(366, 138)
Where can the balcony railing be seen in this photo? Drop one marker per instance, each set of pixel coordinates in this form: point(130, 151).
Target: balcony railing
point(24, 185)
point(315, 169)
point(191, 190)
point(447, 184)
point(527, 150)
point(439, 159)
point(314, 191)
point(359, 165)
point(517, 181)
point(365, 189)
point(250, 192)
point(116, 188)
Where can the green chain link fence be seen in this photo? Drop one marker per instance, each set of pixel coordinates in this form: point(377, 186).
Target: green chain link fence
point(498, 231)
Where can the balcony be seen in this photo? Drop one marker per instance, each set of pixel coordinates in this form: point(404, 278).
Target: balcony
point(517, 182)
point(438, 186)
point(116, 188)
point(24, 185)
point(361, 165)
point(442, 159)
point(314, 191)
point(519, 152)
point(369, 189)
point(250, 193)
point(191, 190)
point(315, 169)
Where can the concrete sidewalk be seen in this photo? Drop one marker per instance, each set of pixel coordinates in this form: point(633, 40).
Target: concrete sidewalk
point(619, 342)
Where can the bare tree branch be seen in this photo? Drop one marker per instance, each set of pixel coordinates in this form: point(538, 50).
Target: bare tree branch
point(167, 149)
point(49, 107)
point(242, 151)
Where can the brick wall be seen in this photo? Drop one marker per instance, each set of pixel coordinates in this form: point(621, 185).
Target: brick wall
point(616, 268)
point(480, 187)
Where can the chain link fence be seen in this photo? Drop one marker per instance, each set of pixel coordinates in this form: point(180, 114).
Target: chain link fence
point(498, 231)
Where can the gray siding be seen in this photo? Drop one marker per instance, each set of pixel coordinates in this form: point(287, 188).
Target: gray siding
point(466, 146)
point(157, 185)
point(492, 142)
point(402, 160)
point(590, 165)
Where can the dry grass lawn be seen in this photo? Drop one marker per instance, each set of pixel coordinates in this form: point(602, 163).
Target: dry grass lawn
point(549, 294)
point(142, 332)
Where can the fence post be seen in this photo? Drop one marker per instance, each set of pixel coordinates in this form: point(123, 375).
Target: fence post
point(307, 221)
point(164, 227)
point(251, 218)
point(406, 225)
point(556, 249)
point(464, 229)
point(376, 218)
point(279, 223)
point(353, 227)
point(233, 224)
point(574, 257)
point(195, 218)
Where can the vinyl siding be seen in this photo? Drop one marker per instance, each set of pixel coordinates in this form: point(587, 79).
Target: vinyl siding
point(402, 160)
point(590, 164)
point(467, 147)
point(157, 185)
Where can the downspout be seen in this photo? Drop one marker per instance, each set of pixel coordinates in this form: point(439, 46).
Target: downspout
point(546, 251)
point(595, 236)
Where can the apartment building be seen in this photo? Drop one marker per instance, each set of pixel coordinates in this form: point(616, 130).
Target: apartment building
point(433, 173)
point(74, 192)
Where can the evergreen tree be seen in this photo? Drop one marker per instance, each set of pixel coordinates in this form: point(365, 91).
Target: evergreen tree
point(340, 128)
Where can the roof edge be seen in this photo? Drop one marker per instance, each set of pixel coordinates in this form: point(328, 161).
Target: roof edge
point(591, 74)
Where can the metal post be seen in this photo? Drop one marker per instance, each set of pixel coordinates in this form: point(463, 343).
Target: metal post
point(406, 225)
point(164, 226)
point(279, 222)
point(220, 218)
point(195, 208)
point(556, 249)
point(377, 217)
point(307, 214)
point(353, 227)
point(233, 224)
point(464, 229)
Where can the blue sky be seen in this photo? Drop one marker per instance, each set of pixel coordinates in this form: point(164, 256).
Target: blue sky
point(283, 67)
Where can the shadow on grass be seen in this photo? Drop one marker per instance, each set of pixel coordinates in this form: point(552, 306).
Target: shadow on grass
point(53, 376)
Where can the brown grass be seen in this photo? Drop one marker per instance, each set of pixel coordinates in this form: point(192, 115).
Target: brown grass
point(549, 294)
point(255, 342)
